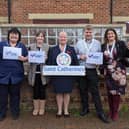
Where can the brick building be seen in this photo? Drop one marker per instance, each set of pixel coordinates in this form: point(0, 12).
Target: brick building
point(64, 11)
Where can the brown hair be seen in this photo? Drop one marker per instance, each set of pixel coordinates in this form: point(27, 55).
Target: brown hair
point(88, 27)
point(106, 32)
point(40, 32)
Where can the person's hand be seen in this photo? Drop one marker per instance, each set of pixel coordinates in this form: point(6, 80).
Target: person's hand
point(22, 58)
point(113, 92)
point(83, 57)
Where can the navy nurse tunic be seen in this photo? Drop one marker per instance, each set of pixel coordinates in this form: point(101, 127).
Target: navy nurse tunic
point(11, 71)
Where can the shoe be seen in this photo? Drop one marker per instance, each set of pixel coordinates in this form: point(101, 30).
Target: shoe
point(103, 118)
point(110, 115)
point(59, 115)
point(84, 112)
point(15, 117)
point(41, 112)
point(2, 118)
point(35, 112)
point(115, 116)
point(66, 115)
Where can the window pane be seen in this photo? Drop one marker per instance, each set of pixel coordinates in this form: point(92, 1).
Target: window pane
point(33, 31)
point(71, 40)
point(25, 41)
point(52, 41)
point(24, 31)
point(51, 32)
point(79, 32)
point(70, 32)
point(97, 32)
point(5, 31)
point(59, 30)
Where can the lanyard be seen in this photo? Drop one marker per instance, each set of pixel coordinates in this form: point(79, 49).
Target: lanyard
point(110, 52)
point(88, 47)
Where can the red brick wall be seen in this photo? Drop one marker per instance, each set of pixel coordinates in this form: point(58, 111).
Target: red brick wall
point(121, 8)
point(26, 97)
point(100, 8)
point(60, 6)
point(3, 8)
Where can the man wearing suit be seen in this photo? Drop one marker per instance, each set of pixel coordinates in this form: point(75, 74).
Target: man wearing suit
point(89, 83)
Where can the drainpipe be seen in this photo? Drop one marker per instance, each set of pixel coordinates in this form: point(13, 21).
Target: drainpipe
point(9, 11)
point(111, 10)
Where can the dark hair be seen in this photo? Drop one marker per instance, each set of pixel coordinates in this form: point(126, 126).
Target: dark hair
point(40, 32)
point(105, 35)
point(15, 31)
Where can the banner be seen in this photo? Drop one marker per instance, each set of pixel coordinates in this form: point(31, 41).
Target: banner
point(64, 70)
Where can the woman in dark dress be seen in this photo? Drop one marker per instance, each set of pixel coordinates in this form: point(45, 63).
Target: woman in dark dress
point(114, 66)
point(62, 84)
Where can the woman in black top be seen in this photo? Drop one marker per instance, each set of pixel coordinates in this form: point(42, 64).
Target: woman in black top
point(114, 69)
point(35, 77)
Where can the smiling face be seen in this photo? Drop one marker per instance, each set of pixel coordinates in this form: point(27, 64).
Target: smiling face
point(62, 38)
point(111, 36)
point(13, 37)
point(88, 34)
point(40, 38)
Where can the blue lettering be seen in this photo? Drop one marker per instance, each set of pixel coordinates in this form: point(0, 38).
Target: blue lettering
point(11, 53)
point(35, 55)
point(94, 56)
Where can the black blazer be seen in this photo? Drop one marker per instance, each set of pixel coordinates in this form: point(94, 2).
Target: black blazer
point(122, 51)
point(54, 51)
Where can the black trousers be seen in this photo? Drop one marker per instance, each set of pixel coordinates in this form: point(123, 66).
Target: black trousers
point(39, 90)
point(13, 92)
point(89, 83)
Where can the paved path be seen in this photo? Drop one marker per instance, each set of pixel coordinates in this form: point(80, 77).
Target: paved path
point(49, 121)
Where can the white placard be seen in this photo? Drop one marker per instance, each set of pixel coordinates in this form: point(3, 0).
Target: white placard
point(95, 58)
point(11, 53)
point(36, 56)
point(64, 70)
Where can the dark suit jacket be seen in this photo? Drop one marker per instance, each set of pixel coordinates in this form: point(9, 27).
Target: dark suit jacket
point(54, 51)
point(122, 52)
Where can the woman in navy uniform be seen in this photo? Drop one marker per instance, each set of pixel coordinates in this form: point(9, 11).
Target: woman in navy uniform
point(11, 75)
point(62, 84)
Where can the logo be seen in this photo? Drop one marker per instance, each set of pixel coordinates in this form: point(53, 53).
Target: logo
point(63, 59)
point(10, 53)
point(93, 56)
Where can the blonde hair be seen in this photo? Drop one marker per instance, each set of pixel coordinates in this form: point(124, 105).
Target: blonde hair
point(88, 27)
